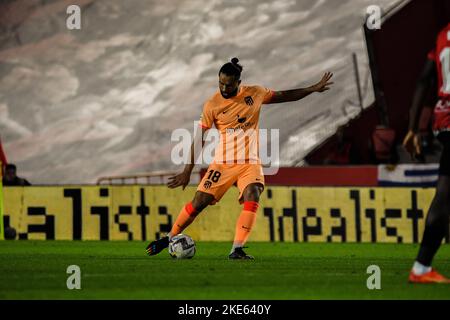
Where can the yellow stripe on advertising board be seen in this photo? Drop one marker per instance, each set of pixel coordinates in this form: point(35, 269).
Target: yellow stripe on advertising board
point(320, 214)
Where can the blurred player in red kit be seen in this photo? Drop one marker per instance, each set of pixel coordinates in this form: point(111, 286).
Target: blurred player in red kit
point(437, 68)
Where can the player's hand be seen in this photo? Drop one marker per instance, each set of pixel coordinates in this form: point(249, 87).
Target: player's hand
point(324, 84)
point(412, 144)
point(181, 179)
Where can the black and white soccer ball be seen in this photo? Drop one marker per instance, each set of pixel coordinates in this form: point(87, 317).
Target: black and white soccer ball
point(182, 246)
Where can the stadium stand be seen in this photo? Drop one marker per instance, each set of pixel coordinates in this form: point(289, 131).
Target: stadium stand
point(397, 53)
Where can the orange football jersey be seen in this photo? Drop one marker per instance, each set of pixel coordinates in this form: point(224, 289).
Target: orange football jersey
point(237, 120)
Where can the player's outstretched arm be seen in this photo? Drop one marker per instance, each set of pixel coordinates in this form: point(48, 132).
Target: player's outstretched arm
point(412, 139)
point(297, 94)
point(183, 178)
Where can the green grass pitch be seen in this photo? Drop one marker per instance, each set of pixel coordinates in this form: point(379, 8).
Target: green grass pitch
point(121, 270)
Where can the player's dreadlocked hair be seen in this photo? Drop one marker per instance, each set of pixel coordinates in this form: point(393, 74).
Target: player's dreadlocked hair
point(232, 68)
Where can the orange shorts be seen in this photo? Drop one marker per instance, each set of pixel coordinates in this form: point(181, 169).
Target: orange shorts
point(220, 177)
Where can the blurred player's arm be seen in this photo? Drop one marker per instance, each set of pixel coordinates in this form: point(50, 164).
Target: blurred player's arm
point(183, 178)
point(412, 139)
point(297, 94)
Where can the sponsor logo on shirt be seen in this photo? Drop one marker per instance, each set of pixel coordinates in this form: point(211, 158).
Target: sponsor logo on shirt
point(241, 120)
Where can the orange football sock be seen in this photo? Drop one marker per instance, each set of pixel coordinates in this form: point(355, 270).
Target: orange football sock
point(184, 219)
point(245, 223)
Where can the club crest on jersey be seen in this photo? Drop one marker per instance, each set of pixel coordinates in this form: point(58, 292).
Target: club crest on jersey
point(249, 100)
point(207, 184)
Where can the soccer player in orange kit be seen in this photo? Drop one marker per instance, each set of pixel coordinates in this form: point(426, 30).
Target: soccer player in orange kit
point(233, 109)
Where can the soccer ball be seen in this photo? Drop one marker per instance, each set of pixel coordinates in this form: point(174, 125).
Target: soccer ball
point(181, 246)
